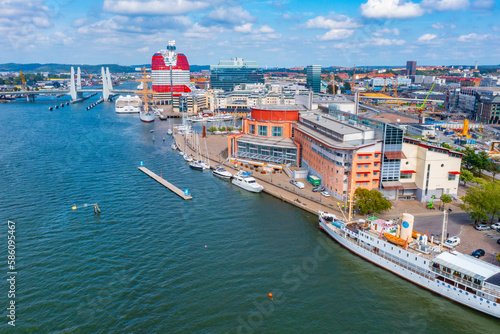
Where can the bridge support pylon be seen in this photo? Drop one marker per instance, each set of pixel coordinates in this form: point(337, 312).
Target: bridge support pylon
point(107, 84)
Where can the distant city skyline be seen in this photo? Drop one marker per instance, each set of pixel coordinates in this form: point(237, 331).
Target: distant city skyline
point(273, 33)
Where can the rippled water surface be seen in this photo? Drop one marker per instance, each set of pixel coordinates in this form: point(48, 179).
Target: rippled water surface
point(154, 263)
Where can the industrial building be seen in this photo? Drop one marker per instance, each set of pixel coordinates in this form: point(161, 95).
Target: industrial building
point(230, 73)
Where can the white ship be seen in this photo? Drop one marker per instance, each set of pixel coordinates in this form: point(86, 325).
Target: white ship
point(394, 246)
point(128, 104)
point(246, 181)
point(147, 115)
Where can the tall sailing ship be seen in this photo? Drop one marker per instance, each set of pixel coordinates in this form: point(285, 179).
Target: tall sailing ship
point(396, 247)
point(146, 113)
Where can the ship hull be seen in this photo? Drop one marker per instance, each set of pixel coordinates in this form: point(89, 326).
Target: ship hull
point(147, 117)
point(429, 282)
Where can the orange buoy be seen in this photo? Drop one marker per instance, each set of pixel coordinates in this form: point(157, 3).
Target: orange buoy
point(270, 295)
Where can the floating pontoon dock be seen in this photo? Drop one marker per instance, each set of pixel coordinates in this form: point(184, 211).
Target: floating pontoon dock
point(165, 183)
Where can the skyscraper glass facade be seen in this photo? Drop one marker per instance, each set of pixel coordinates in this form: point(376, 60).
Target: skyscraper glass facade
point(314, 78)
point(230, 73)
point(411, 67)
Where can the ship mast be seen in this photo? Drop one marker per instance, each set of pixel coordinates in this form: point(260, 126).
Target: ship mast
point(350, 201)
point(144, 91)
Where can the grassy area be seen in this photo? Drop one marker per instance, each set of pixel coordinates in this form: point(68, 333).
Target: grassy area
point(486, 177)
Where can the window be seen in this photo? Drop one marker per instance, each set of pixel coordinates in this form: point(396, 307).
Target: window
point(365, 183)
point(376, 155)
point(451, 177)
point(367, 157)
point(405, 176)
point(375, 164)
point(262, 130)
point(252, 128)
point(366, 166)
point(277, 131)
point(366, 175)
point(360, 157)
point(374, 173)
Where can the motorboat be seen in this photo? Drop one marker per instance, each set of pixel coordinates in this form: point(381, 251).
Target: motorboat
point(196, 165)
point(246, 181)
point(219, 171)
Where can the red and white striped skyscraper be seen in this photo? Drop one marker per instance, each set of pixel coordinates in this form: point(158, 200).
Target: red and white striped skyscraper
point(170, 72)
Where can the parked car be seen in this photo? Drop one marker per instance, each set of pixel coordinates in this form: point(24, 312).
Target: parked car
point(319, 189)
point(496, 226)
point(325, 193)
point(299, 185)
point(482, 227)
point(478, 253)
point(293, 181)
point(452, 242)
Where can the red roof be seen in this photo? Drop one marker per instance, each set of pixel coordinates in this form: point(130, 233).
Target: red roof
point(408, 171)
point(455, 173)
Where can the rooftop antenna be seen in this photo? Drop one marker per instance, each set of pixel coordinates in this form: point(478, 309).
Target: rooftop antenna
point(171, 61)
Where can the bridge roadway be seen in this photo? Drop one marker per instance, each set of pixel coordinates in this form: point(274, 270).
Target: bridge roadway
point(67, 92)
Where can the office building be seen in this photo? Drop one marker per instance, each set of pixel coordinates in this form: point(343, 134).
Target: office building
point(170, 71)
point(236, 71)
point(411, 67)
point(314, 78)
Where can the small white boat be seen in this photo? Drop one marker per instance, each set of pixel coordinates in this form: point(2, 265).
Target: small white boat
point(173, 146)
point(204, 165)
point(188, 157)
point(196, 165)
point(219, 171)
point(181, 152)
point(246, 181)
point(169, 132)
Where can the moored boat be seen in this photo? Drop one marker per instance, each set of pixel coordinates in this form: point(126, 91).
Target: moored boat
point(219, 171)
point(245, 181)
point(459, 277)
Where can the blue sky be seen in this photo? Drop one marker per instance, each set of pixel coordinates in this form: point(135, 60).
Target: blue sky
point(275, 33)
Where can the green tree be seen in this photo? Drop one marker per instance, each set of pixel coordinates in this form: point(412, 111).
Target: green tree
point(212, 129)
point(336, 89)
point(445, 199)
point(474, 161)
point(347, 86)
point(337, 78)
point(482, 201)
point(330, 89)
point(493, 168)
point(479, 180)
point(370, 201)
point(446, 145)
point(466, 176)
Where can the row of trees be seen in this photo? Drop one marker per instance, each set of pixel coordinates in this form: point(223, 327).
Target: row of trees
point(476, 162)
point(482, 202)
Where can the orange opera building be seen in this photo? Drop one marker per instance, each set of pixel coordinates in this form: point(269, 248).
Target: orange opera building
point(267, 136)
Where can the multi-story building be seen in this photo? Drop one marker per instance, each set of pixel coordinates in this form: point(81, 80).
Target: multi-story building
point(428, 170)
point(343, 154)
point(267, 136)
point(487, 108)
point(411, 67)
point(170, 73)
point(230, 73)
point(314, 78)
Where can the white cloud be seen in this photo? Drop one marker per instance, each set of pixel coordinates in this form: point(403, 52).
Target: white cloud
point(266, 29)
point(390, 9)
point(427, 38)
point(473, 37)
point(483, 4)
point(336, 34)
point(41, 22)
point(381, 32)
point(385, 41)
point(333, 22)
point(440, 25)
point(144, 49)
point(442, 5)
point(199, 31)
point(245, 28)
point(228, 15)
point(153, 7)
point(80, 22)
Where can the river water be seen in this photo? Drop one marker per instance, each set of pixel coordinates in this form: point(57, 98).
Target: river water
point(154, 263)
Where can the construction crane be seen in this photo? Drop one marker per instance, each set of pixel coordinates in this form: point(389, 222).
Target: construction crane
point(23, 80)
point(425, 100)
point(395, 87)
point(353, 83)
point(90, 77)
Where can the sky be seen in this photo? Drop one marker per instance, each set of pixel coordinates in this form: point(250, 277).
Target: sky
point(275, 33)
